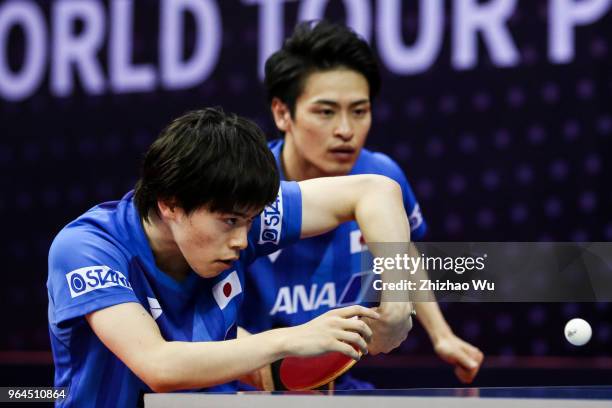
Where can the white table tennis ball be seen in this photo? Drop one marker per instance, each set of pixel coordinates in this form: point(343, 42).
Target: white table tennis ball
point(578, 332)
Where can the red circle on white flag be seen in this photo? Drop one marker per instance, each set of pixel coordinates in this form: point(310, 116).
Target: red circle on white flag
point(227, 289)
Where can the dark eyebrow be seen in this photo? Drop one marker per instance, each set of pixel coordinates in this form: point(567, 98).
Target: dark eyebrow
point(336, 104)
point(360, 102)
point(326, 102)
point(243, 214)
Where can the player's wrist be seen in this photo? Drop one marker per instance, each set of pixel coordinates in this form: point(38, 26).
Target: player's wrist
point(395, 311)
point(433, 321)
point(439, 335)
point(280, 340)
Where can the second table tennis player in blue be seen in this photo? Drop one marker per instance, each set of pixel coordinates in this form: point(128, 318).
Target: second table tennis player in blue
point(144, 291)
point(321, 85)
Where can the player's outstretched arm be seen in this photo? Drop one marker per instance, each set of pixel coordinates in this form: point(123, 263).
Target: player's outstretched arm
point(133, 336)
point(466, 358)
point(376, 203)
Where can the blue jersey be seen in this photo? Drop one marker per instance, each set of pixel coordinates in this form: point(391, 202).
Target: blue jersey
point(296, 284)
point(103, 259)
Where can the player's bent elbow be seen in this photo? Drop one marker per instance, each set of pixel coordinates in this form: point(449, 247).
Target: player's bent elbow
point(163, 374)
point(162, 382)
point(381, 187)
point(159, 387)
point(159, 376)
point(378, 184)
point(157, 379)
point(163, 387)
point(388, 185)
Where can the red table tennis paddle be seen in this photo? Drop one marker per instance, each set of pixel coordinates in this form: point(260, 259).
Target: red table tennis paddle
point(307, 373)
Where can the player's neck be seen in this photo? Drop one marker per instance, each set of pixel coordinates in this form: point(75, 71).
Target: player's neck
point(168, 257)
point(296, 167)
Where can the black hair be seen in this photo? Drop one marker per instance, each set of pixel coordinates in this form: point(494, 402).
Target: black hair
point(317, 46)
point(207, 158)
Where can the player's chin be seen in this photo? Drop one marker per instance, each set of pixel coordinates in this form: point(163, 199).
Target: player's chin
point(211, 270)
point(339, 168)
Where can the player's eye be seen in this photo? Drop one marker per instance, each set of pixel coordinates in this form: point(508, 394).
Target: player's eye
point(231, 221)
point(326, 112)
point(361, 112)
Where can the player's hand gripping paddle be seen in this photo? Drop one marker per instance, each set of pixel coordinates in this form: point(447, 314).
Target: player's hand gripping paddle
point(306, 373)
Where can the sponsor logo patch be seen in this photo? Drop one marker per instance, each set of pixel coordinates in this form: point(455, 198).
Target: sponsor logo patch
point(355, 289)
point(271, 221)
point(293, 299)
point(90, 278)
point(290, 299)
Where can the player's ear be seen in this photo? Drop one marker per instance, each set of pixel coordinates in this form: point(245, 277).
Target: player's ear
point(281, 113)
point(168, 209)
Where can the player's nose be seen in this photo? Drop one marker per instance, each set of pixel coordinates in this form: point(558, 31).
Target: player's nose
point(344, 130)
point(239, 240)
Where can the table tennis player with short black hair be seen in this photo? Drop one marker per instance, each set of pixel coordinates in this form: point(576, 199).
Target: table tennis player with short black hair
point(321, 87)
point(144, 291)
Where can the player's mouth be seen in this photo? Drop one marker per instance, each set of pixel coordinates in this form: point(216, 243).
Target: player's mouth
point(227, 262)
point(343, 153)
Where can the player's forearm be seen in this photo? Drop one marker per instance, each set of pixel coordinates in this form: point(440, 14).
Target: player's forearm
point(261, 378)
point(380, 212)
point(376, 203)
point(187, 365)
point(382, 219)
point(428, 311)
point(433, 321)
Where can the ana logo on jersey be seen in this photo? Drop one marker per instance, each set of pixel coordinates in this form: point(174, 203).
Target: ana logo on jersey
point(90, 278)
point(227, 289)
point(271, 221)
point(290, 299)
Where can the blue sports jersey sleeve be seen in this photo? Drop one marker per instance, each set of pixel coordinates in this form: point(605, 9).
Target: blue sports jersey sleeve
point(87, 272)
point(279, 224)
point(418, 227)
